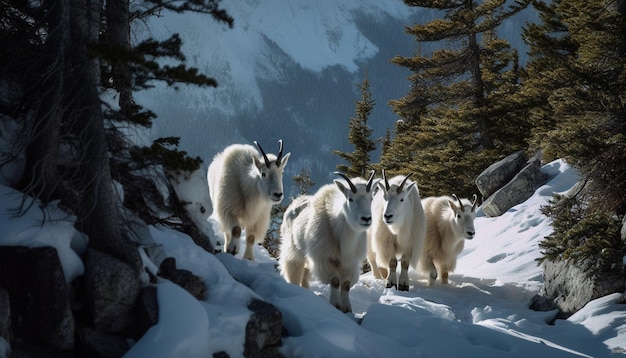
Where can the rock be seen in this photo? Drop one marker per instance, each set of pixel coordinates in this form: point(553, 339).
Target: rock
point(569, 286)
point(148, 314)
point(500, 173)
point(263, 331)
point(40, 310)
point(516, 191)
point(101, 345)
point(183, 278)
point(112, 291)
point(5, 320)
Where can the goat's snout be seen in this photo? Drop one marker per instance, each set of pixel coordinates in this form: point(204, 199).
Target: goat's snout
point(277, 196)
point(388, 218)
point(470, 234)
point(366, 220)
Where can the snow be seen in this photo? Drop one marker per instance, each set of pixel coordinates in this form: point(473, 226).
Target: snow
point(484, 312)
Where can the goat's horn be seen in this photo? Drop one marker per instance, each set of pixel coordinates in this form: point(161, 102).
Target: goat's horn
point(385, 180)
point(267, 161)
point(474, 203)
point(460, 203)
point(368, 187)
point(352, 187)
point(403, 182)
point(280, 152)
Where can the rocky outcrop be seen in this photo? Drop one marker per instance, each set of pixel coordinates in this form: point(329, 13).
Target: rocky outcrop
point(112, 288)
point(40, 309)
point(568, 286)
point(517, 190)
point(263, 331)
point(5, 324)
point(509, 182)
point(500, 173)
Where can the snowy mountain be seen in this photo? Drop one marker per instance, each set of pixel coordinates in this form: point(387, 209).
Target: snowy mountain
point(288, 69)
point(484, 312)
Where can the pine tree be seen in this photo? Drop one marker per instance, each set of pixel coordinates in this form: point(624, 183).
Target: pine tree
point(359, 135)
point(457, 116)
point(575, 87)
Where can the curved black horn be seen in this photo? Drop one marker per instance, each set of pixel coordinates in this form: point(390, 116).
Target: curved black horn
point(352, 187)
point(280, 152)
point(368, 187)
point(460, 203)
point(385, 180)
point(474, 203)
point(403, 182)
point(267, 161)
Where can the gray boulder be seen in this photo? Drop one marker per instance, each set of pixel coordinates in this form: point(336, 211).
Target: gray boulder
point(5, 320)
point(517, 190)
point(112, 288)
point(500, 173)
point(40, 310)
point(263, 331)
point(569, 286)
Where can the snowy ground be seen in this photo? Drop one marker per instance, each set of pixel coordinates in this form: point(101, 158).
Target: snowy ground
point(482, 313)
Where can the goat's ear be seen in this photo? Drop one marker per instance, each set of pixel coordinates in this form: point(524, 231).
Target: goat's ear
point(344, 189)
point(453, 205)
point(381, 186)
point(411, 185)
point(258, 163)
point(284, 159)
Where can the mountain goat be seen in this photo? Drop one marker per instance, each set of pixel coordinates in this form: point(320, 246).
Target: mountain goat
point(325, 234)
point(243, 187)
point(449, 221)
point(398, 228)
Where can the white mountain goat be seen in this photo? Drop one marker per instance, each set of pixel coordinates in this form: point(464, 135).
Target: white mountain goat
point(325, 234)
point(243, 187)
point(449, 222)
point(398, 229)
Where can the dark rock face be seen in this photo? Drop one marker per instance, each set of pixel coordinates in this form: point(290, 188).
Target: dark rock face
point(517, 190)
point(40, 310)
point(568, 286)
point(112, 291)
point(101, 345)
point(183, 278)
point(500, 173)
point(263, 331)
point(5, 316)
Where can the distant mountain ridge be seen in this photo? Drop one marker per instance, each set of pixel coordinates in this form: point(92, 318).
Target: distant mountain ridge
point(286, 70)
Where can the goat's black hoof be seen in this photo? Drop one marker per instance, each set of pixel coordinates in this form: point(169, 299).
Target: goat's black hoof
point(403, 287)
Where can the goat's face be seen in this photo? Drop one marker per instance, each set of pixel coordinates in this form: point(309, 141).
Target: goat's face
point(358, 201)
point(395, 195)
point(464, 215)
point(270, 173)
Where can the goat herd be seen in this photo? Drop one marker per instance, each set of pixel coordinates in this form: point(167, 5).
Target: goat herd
point(330, 233)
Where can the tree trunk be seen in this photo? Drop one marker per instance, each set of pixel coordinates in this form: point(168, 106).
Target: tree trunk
point(97, 211)
point(41, 179)
point(118, 35)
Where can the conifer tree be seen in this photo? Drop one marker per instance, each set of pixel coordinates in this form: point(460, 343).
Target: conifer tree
point(359, 135)
point(575, 87)
point(457, 118)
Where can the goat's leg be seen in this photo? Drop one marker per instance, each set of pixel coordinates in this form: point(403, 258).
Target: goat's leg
point(335, 299)
point(294, 271)
point(444, 269)
point(392, 279)
point(345, 297)
point(306, 276)
point(248, 254)
point(231, 240)
point(371, 259)
point(432, 270)
point(403, 281)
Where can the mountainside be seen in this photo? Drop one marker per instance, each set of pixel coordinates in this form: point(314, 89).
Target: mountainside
point(287, 70)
